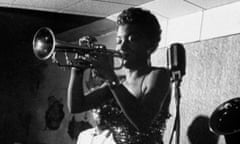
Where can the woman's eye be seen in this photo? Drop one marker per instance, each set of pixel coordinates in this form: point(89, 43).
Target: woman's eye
point(132, 38)
point(118, 40)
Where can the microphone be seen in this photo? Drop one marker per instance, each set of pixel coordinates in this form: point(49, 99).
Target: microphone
point(176, 59)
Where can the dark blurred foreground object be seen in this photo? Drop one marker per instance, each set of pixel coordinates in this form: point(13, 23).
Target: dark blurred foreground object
point(225, 120)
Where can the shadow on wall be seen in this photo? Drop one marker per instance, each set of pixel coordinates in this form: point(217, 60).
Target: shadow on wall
point(199, 133)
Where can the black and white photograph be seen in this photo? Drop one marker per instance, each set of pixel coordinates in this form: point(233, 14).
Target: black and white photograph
point(120, 71)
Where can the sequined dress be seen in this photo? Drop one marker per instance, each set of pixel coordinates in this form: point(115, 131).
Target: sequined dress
point(112, 118)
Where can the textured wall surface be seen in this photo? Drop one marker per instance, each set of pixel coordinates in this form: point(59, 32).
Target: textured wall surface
point(212, 77)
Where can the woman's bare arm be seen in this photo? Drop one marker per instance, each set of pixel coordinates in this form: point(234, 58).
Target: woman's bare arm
point(76, 100)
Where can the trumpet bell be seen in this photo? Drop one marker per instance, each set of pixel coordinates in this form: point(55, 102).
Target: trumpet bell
point(43, 43)
point(225, 119)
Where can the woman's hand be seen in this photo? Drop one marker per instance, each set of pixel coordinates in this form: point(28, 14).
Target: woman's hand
point(103, 65)
point(98, 60)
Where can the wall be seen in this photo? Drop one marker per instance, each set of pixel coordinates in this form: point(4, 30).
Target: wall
point(211, 40)
point(212, 77)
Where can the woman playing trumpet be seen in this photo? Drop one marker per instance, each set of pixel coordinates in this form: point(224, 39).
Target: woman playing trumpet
point(135, 110)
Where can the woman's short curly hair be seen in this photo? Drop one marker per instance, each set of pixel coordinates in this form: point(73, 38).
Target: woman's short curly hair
point(146, 22)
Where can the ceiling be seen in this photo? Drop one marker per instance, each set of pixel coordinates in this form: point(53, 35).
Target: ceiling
point(166, 9)
point(105, 8)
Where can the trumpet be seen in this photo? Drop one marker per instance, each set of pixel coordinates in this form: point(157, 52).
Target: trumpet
point(45, 45)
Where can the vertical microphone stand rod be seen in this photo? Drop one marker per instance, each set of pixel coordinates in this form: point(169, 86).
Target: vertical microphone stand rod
point(176, 82)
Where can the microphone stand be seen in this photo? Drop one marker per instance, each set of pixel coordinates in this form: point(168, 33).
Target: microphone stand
point(176, 81)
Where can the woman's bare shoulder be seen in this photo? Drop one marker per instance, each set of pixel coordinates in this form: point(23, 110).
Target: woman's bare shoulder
point(158, 76)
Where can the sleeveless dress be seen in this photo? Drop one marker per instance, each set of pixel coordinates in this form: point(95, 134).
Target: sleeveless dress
point(114, 128)
point(113, 119)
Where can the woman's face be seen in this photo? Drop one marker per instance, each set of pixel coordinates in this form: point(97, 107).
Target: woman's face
point(133, 44)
